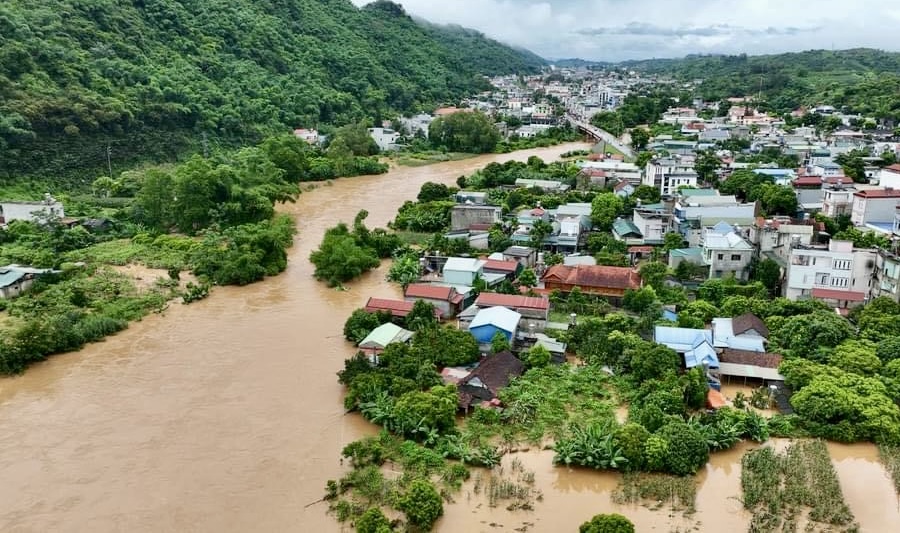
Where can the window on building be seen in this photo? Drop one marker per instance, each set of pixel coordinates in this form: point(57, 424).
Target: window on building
point(822, 278)
point(735, 257)
point(842, 264)
point(839, 282)
point(720, 257)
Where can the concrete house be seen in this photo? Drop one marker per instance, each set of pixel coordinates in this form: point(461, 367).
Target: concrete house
point(837, 199)
point(463, 271)
point(652, 223)
point(874, 205)
point(491, 320)
point(524, 255)
point(397, 308)
point(726, 253)
point(773, 237)
point(385, 138)
point(465, 216)
point(444, 298)
point(533, 310)
point(890, 176)
point(837, 273)
point(471, 197)
point(669, 174)
point(627, 232)
point(693, 214)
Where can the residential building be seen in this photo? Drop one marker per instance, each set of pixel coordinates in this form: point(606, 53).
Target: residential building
point(524, 255)
point(15, 279)
point(669, 174)
point(311, 136)
point(418, 124)
point(376, 341)
point(773, 237)
point(546, 185)
point(890, 176)
point(886, 281)
point(837, 199)
point(509, 269)
point(874, 205)
point(534, 311)
point(397, 308)
point(613, 169)
point(750, 364)
point(463, 271)
point(385, 138)
point(692, 214)
point(442, 297)
point(491, 375)
point(623, 189)
point(492, 320)
point(652, 223)
point(837, 273)
point(726, 253)
point(627, 232)
point(607, 281)
point(465, 216)
point(49, 207)
point(744, 332)
point(695, 346)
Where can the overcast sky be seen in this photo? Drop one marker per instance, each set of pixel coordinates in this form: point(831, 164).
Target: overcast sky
point(612, 30)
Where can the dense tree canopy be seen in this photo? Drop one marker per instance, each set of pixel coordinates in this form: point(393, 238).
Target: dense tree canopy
point(74, 80)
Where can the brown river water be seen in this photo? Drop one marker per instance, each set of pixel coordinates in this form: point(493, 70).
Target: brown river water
point(226, 415)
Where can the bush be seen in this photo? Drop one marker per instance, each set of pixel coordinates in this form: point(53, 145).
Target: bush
point(373, 521)
point(422, 504)
point(687, 451)
point(607, 523)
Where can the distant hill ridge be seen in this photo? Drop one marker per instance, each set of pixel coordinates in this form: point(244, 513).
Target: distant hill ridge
point(153, 78)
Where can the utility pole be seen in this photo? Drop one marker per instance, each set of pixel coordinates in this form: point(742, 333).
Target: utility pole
point(109, 158)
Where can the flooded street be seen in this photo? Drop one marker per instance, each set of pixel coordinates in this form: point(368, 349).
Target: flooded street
point(226, 415)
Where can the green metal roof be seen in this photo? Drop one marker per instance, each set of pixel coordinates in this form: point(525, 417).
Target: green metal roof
point(384, 335)
point(687, 252)
point(625, 227)
point(698, 192)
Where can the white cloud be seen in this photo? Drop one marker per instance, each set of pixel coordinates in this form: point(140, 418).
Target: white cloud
point(631, 29)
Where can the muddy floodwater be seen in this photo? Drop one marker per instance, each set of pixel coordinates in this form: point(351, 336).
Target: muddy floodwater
point(226, 415)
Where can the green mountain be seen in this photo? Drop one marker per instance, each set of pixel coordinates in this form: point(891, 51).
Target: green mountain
point(151, 79)
point(862, 79)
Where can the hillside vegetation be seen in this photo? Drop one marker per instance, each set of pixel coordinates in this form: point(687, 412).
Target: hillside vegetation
point(152, 79)
point(865, 80)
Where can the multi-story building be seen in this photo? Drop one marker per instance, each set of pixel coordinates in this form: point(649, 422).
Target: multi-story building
point(669, 174)
point(837, 273)
point(694, 213)
point(837, 199)
point(890, 176)
point(874, 205)
point(652, 223)
point(726, 253)
point(772, 238)
point(887, 266)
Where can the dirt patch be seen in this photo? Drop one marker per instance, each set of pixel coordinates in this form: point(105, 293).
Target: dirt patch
point(145, 277)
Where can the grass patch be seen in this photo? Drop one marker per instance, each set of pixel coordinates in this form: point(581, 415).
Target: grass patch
point(164, 251)
point(656, 491)
point(413, 237)
point(421, 159)
point(890, 457)
point(784, 489)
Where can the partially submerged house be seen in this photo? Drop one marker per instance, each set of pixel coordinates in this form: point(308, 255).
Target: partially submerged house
point(397, 308)
point(534, 311)
point(485, 382)
point(15, 279)
point(749, 364)
point(376, 341)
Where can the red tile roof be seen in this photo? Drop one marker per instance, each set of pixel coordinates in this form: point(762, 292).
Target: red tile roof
point(834, 294)
point(893, 168)
point(640, 249)
point(594, 276)
point(594, 172)
point(429, 291)
point(491, 299)
point(398, 308)
point(502, 266)
point(807, 181)
point(878, 193)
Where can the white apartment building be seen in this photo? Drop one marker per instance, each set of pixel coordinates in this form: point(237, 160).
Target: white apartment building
point(668, 174)
point(837, 200)
point(653, 224)
point(726, 253)
point(837, 273)
point(773, 238)
point(890, 176)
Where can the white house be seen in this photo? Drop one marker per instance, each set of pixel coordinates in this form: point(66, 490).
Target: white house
point(726, 253)
point(668, 174)
point(890, 176)
point(652, 224)
point(837, 273)
point(311, 136)
point(837, 200)
point(385, 138)
point(874, 205)
point(463, 270)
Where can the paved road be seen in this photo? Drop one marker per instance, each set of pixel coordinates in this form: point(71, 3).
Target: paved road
point(602, 135)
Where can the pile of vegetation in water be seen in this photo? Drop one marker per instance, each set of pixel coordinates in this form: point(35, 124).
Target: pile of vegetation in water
point(890, 457)
point(800, 485)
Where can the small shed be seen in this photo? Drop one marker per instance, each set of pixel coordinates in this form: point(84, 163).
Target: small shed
point(489, 321)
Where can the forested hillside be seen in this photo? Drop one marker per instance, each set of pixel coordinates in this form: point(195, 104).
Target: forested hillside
point(865, 80)
point(150, 79)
